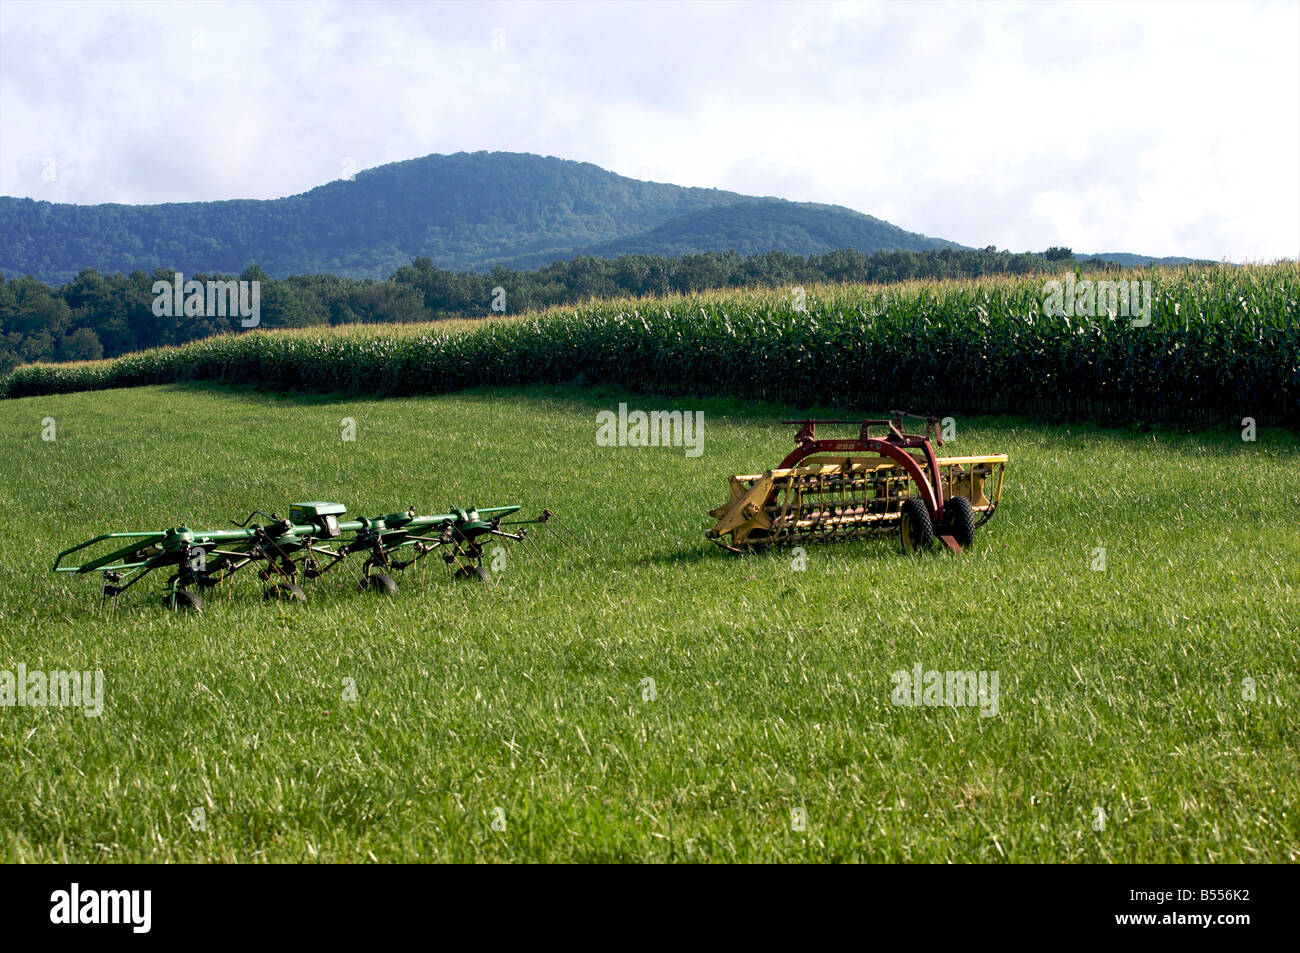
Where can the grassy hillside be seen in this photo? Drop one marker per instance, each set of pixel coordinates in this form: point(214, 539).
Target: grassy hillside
point(1121, 691)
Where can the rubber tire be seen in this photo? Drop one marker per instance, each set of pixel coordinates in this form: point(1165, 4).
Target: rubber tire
point(473, 572)
point(380, 582)
point(185, 601)
point(916, 524)
point(959, 520)
point(285, 592)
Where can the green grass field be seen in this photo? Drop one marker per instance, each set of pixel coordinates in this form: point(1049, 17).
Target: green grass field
point(1121, 691)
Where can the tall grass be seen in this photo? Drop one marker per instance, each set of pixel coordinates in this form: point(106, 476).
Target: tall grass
point(1120, 689)
point(1223, 342)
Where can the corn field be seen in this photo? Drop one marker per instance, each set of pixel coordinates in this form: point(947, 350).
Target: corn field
point(1221, 343)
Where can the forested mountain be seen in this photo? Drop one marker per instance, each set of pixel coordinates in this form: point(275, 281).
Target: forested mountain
point(1129, 260)
point(761, 225)
point(468, 211)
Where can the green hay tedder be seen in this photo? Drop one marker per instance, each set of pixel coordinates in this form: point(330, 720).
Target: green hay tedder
point(285, 553)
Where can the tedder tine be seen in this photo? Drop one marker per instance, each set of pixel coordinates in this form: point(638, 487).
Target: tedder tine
point(561, 530)
point(531, 549)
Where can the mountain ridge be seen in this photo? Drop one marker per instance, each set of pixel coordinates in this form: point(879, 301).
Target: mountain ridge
point(465, 211)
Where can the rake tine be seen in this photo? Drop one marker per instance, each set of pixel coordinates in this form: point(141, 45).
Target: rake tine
point(561, 525)
point(532, 549)
point(524, 547)
point(560, 537)
point(456, 553)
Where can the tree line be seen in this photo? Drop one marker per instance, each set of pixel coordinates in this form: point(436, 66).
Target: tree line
point(97, 315)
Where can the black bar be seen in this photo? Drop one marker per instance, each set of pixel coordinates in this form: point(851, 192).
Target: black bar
point(935, 906)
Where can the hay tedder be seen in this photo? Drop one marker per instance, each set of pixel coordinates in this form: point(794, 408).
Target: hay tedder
point(840, 489)
point(284, 553)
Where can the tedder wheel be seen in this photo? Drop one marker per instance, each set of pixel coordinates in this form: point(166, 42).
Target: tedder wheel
point(473, 572)
point(380, 582)
point(917, 529)
point(959, 520)
point(184, 601)
point(286, 591)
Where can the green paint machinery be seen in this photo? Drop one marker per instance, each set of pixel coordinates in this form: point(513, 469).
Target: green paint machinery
point(314, 539)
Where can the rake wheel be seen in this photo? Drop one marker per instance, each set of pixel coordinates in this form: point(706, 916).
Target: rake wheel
point(184, 601)
point(286, 592)
point(916, 526)
point(380, 582)
point(472, 572)
point(959, 520)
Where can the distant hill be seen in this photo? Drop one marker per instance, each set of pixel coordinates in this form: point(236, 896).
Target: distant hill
point(468, 211)
point(757, 226)
point(1141, 261)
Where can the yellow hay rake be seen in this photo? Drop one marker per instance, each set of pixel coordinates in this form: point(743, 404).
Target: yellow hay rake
point(832, 490)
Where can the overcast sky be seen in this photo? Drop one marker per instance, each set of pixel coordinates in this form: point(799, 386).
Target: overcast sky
point(1167, 129)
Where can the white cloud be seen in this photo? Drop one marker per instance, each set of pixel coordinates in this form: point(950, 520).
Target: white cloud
point(1163, 128)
